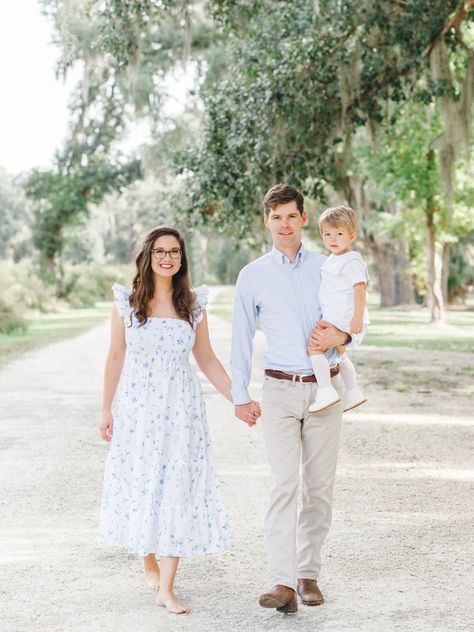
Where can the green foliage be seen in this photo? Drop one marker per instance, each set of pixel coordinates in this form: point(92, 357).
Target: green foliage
point(461, 270)
point(21, 293)
point(14, 218)
point(289, 91)
point(11, 320)
point(396, 163)
point(225, 260)
point(87, 284)
point(293, 96)
point(63, 200)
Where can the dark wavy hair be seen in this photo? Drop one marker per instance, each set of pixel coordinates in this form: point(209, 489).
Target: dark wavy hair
point(143, 285)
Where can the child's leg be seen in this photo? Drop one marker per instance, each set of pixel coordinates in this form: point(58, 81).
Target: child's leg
point(353, 396)
point(347, 369)
point(321, 369)
point(326, 394)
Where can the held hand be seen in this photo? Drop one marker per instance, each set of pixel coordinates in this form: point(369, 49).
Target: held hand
point(356, 325)
point(325, 336)
point(254, 413)
point(106, 426)
point(248, 413)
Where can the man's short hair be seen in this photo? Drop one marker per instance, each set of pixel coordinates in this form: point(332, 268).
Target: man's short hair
point(339, 216)
point(281, 194)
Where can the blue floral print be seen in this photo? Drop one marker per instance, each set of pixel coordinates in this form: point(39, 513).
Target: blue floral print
point(161, 492)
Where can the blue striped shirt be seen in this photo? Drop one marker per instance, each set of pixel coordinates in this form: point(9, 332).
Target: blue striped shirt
point(283, 296)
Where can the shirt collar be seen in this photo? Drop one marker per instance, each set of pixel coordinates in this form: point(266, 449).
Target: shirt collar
point(281, 258)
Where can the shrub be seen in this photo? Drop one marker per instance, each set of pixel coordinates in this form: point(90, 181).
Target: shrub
point(21, 292)
point(11, 320)
point(87, 284)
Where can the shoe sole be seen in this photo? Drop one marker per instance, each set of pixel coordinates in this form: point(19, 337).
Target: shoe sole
point(288, 609)
point(355, 405)
point(267, 601)
point(312, 603)
point(318, 410)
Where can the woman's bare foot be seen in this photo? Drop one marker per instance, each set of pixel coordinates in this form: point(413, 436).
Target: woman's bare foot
point(169, 601)
point(152, 572)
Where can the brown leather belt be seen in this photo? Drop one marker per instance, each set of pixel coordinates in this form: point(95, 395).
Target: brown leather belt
point(293, 377)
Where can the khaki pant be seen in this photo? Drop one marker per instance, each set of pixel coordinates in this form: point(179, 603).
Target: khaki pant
point(292, 435)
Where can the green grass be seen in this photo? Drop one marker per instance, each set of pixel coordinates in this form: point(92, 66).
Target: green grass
point(392, 327)
point(49, 328)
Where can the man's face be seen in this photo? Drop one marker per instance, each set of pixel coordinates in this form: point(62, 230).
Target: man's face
point(285, 223)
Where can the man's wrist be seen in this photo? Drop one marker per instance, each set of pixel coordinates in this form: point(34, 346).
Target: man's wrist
point(240, 397)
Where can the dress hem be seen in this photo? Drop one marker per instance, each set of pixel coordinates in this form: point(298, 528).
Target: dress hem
point(158, 552)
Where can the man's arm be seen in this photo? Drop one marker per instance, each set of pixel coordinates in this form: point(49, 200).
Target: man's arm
point(244, 324)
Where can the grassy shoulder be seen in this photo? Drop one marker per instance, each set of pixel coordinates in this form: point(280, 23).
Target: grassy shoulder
point(49, 328)
point(393, 327)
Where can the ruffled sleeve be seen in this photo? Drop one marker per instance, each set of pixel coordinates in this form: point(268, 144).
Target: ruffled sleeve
point(122, 303)
point(201, 294)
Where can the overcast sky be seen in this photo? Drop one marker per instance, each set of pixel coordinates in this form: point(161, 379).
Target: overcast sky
point(33, 104)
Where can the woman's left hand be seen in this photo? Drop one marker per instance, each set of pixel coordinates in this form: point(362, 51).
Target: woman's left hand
point(106, 426)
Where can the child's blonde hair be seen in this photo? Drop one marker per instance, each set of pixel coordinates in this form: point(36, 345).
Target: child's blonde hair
point(339, 216)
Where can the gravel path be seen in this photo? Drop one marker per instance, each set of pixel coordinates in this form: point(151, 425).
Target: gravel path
point(399, 555)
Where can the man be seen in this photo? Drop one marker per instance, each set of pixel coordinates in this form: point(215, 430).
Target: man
point(281, 290)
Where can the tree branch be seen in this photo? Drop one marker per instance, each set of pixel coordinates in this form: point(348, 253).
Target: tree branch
point(455, 22)
point(400, 3)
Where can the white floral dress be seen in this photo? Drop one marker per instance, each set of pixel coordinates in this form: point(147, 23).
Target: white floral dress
point(161, 492)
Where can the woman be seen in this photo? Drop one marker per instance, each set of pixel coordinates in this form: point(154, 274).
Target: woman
point(161, 493)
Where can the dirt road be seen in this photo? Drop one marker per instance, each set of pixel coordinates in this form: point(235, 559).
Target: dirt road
point(399, 555)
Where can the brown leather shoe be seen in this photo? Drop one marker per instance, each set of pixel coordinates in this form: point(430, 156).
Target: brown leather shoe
point(280, 597)
point(309, 592)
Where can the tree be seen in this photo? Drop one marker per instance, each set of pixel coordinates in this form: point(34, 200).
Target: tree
point(15, 218)
point(303, 78)
point(62, 200)
point(294, 86)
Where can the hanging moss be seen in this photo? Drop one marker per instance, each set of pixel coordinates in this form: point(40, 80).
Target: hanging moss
point(455, 113)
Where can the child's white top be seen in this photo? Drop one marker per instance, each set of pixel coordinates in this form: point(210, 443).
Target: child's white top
point(339, 274)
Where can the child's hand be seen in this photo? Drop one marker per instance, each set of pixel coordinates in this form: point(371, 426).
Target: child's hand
point(356, 325)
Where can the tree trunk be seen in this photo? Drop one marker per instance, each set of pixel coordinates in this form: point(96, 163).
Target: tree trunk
point(435, 265)
point(380, 253)
point(390, 256)
point(60, 282)
point(391, 262)
point(403, 292)
point(445, 271)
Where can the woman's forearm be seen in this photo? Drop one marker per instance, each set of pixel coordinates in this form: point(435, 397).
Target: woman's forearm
point(217, 376)
point(112, 373)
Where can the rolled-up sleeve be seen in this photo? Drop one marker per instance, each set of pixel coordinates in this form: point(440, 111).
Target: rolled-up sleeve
point(243, 332)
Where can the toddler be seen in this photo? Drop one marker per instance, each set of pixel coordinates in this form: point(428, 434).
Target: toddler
point(342, 296)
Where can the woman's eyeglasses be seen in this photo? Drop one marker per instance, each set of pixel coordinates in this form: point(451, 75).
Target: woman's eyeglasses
point(160, 253)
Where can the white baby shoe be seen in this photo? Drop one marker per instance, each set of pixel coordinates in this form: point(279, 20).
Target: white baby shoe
point(352, 398)
point(325, 397)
